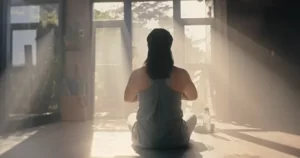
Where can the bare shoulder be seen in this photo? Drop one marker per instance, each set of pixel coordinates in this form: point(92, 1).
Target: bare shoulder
point(179, 72)
point(140, 78)
point(139, 72)
point(179, 78)
point(139, 75)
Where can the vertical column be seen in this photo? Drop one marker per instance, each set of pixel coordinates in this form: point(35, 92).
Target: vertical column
point(127, 38)
point(2, 36)
point(78, 59)
point(4, 46)
point(127, 33)
point(4, 8)
point(179, 37)
point(3, 5)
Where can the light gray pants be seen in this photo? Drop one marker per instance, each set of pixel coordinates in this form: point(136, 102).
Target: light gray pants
point(189, 118)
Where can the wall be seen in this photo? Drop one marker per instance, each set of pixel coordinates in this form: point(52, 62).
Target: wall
point(78, 28)
point(264, 85)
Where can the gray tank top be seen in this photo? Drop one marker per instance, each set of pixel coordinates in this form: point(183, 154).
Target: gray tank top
point(159, 118)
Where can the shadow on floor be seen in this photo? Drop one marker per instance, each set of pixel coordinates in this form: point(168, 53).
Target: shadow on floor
point(241, 156)
point(193, 151)
point(269, 144)
point(268, 121)
point(275, 119)
point(270, 114)
point(219, 137)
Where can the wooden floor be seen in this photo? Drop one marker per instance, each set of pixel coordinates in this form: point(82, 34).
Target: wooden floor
point(111, 139)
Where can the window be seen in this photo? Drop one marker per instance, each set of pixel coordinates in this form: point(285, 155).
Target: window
point(33, 75)
point(197, 44)
point(196, 8)
point(25, 14)
point(106, 11)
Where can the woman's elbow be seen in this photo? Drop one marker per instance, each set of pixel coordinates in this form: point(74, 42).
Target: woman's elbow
point(130, 100)
point(193, 97)
point(126, 99)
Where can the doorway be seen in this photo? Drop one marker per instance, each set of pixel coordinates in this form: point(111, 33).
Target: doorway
point(120, 32)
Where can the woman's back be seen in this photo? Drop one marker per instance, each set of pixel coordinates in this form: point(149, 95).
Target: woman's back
point(159, 102)
point(159, 118)
point(159, 88)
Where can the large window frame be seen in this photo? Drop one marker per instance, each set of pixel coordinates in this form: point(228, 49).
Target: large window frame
point(6, 53)
point(178, 31)
point(25, 26)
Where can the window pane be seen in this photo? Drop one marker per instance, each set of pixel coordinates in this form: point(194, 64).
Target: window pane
point(108, 52)
point(34, 14)
point(153, 14)
point(25, 14)
point(105, 11)
point(204, 88)
point(197, 44)
point(197, 53)
point(23, 38)
point(196, 9)
point(111, 70)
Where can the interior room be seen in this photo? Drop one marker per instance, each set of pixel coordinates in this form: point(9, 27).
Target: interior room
point(65, 65)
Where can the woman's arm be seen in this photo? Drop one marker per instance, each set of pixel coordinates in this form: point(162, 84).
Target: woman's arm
point(189, 89)
point(131, 91)
point(184, 97)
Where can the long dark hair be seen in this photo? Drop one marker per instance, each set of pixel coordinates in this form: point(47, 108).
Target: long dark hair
point(159, 62)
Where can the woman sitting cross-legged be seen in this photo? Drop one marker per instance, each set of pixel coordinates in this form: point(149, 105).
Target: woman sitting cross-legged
point(159, 87)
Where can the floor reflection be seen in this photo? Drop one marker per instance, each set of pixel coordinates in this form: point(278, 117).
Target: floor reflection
point(110, 138)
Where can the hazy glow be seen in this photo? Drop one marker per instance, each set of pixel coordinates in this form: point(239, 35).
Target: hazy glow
point(251, 81)
point(110, 47)
point(112, 144)
point(109, 11)
point(200, 51)
point(193, 9)
point(111, 69)
point(107, 6)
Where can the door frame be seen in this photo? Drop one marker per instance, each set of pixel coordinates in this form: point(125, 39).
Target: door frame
point(3, 60)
